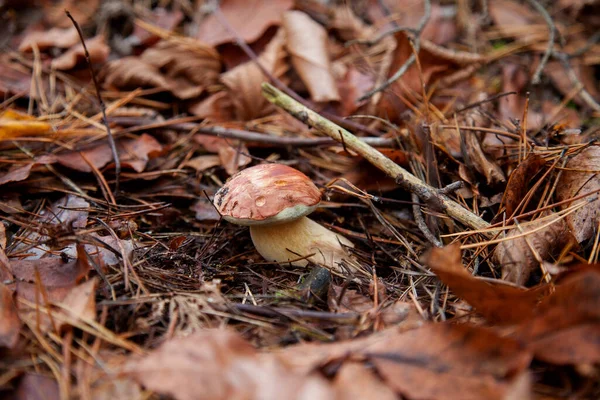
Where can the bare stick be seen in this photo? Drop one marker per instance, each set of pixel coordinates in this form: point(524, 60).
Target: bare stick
point(238, 134)
point(111, 139)
point(417, 44)
point(421, 224)
point(407, 180)
point(540, 8)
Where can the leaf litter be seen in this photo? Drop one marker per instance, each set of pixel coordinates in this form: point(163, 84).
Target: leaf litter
point(477, 280)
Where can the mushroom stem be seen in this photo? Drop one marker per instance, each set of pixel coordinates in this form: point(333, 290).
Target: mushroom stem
point(291, 240)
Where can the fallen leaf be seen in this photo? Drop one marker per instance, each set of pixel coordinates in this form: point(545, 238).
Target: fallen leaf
point(515, 79)
point(581, 177)
point(55, 37)
point(98, 52)
point(351, 87)
point(82, 12)
point(566, 328)
point(56, 276)
point(80, 302)
point(21, 173)
point(497, 302)
point(515, 253)
point(440, 28)
point(202, 163)
point(476, 157)
point(218, 364)
point(159, 17)
point(306, 41)
point(36, 387)
point(249, 19)
point(357, 381)
point(510, 15)
point(244, 81)
point(205, 211)
point(133, 153)
point(130, 73)
point(13, 80)
point(518, 182)
point(11, 323)
point(444, 361)
point(189, 67)
point(233, 156)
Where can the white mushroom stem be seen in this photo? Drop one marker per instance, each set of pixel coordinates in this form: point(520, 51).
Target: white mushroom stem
point(289, 241)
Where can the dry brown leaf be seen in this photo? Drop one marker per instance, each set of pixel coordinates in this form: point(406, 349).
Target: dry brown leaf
point(508, 15)
point(161, 18)
point(202, 163)
point(444, 361)
point(566, 328)
point(218, 364)
point(97, 49)
point(189, 69)
point(244, 81)
point(13, 78)
point(356, 381)
point(82, 12)
point(440, 28)
point(518, 182)
point(306, 41)
point(216, 108)
point(351, 87)
point(497, 302)
point(476, 158)
point(37, 387)
point(56, 276)
point(55, 37)
point(130, 73)
point(21, 173)
point(249, 19)
point(515, 79)
point(515, 254)
point(233, 156)
point(581, 177)
point(205, 211)
point(10, 323)
point(133, 153)
point(80, 302)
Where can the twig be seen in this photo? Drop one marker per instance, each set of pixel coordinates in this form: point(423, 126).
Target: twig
point(111, 139)
point(538, 72)
point(238, 134)
point(417, 44)
point(421, 224)
point(486, 100)
point(408, 181)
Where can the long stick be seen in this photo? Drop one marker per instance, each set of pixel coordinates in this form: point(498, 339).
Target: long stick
point(408, 181)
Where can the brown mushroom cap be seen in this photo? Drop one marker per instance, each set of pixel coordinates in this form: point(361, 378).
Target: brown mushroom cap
point(267, 194)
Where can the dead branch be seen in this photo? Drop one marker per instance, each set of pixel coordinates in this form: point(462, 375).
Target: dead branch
point(540, 8)
point(111, 139)
point(407, 180)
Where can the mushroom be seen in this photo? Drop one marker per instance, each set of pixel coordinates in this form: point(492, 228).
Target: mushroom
point(273, 200)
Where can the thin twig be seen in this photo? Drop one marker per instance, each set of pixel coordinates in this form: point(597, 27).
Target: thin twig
point(538, 72)
point(421, 224)
point(417, 44)
point(137, 124)
point(407, 180)
point(486, 100)
point(111, 139)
